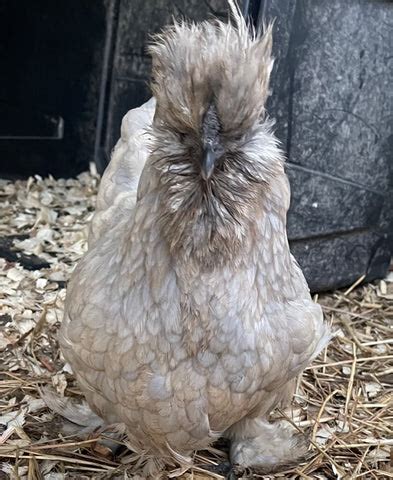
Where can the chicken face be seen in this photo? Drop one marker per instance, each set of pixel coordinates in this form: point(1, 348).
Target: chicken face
point(213, 146)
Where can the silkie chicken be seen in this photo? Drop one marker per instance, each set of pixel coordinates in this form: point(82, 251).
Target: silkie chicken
point(188, 318)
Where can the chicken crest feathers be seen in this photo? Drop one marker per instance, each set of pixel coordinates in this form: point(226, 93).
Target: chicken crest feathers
point(195, 64)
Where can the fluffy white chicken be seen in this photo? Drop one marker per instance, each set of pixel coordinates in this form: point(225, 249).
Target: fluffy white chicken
point(188, 318)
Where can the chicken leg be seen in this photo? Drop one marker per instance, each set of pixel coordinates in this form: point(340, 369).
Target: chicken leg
point(256, 442)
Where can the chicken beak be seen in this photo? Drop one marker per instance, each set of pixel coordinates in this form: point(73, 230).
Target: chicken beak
point(208, 163)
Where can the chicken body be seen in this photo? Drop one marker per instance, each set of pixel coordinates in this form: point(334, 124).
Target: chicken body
point(182, 331)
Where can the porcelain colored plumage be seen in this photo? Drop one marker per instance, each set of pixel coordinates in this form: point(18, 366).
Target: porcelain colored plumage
point(188, 318)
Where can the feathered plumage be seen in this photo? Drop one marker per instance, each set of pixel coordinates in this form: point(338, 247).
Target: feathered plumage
point(188, 318)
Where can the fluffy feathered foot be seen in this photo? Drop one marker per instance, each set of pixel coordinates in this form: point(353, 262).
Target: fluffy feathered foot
point(80, 420)
point(78, 413)
point(267, 446)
